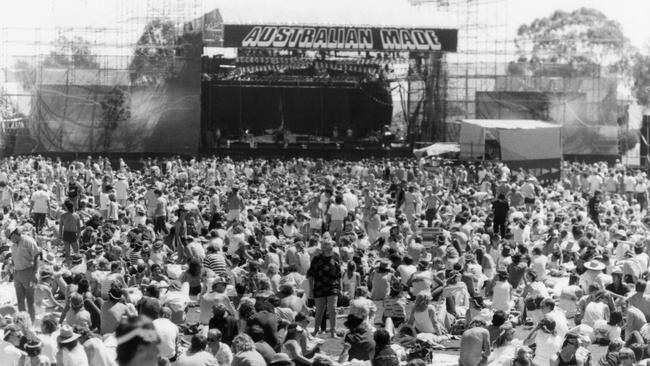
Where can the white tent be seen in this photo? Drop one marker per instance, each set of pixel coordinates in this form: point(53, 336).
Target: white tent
point(518, 140)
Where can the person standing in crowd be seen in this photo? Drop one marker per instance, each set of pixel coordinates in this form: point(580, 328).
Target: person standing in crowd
point(336, 214)
point(235, 204)
point(160, 213)
point(40, 207)
point(325, 284)
point(593, 207)
point(528, 191)
point(25, 254)
point(69, 229)
point(500, 209)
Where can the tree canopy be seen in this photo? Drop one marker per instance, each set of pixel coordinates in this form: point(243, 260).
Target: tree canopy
point(154, 53)
point(581, 41)
point(641, 77)
point(114, 111)
point(71, 53)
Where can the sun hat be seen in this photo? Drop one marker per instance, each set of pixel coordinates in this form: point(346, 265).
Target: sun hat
point(67, 335)
point(595, 265)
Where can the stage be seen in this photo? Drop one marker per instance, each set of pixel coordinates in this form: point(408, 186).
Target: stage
point(319, 151)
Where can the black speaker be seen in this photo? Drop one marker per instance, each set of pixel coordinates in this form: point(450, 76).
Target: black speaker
point(645, 138)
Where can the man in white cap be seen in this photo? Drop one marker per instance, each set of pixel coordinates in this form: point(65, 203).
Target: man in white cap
point(25, 254)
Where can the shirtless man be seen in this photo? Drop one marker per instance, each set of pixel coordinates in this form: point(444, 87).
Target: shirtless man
point(69, 228)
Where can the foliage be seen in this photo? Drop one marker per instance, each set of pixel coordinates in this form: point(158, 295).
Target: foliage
point(627, 140)
point(114, 111)
point(154, 53)
point(581, 40)
point(641, 77)
point(71, 53)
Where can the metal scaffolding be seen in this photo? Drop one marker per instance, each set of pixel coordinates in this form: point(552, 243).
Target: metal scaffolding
point(50, 75)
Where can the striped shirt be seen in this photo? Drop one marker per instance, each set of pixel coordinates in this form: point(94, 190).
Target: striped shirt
point(134, 257)
point(215, 262)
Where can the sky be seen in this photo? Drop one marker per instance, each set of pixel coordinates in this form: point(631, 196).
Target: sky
point(32, 14)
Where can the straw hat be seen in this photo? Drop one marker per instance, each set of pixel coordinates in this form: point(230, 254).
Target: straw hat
point(595, 265)
point(67, 335)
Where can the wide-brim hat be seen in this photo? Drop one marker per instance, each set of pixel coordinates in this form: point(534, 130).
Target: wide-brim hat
point(595, 265)
point(67, 335)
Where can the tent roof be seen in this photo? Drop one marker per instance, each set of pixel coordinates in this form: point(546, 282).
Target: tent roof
point(437, 149)
point(511, 124)
point(357, 14)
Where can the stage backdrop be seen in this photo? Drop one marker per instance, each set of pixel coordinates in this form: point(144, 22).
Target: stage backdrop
point(69, 111)
point(313, 113)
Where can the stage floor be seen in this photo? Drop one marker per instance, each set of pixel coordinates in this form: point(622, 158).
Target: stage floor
point(311, 151)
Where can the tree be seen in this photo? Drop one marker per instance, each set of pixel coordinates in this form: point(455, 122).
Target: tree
point(583, 39)
point(154, 53)
point(114, 111)
point(71, 53)
point(641, 77)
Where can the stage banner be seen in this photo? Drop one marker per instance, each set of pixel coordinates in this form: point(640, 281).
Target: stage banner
point(340, 38)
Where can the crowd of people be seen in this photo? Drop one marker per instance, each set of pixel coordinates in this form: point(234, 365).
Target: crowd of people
point(269, 262)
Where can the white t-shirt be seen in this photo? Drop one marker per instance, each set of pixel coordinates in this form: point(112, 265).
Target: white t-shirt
point(595, 182)
point(539, 265)
point(593, 312)
point(350, 201)
point(338, 212)
point(41, 201)
point(9, 354)
point(629, 183)
point(77, 356)
point(502, 296)
point(547, 346)
point(168, 333)
point(104, 201)
point(121, 189)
